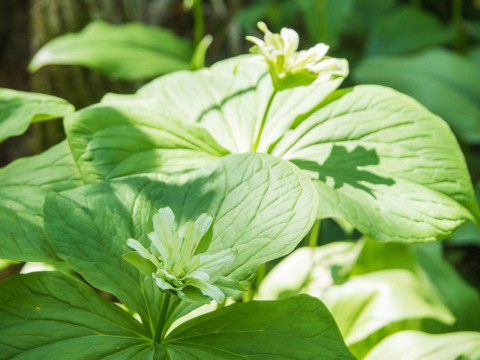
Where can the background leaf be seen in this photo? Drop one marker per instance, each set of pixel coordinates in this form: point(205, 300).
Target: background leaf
point(415, 345)
point(376, 289)
point(24, 185)
point(446, 83)
point(49, 315)
point(406, 29)
point(294, 328)
point(18, 109)
point(132, 52)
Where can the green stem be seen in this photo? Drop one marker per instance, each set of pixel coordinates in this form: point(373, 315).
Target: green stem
point(261, 273)
point(457, 19)
point(198, 22)
point(416, 3)
point(159, 331)
point(264, 120)
point(313, 235)
point(248, 295)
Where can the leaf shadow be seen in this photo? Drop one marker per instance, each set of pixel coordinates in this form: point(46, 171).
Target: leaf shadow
point(345, 167)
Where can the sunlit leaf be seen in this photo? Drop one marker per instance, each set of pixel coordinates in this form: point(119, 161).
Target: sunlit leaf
point(18, 109)
point(24, 185)
point(415, 345)
point(131, 52)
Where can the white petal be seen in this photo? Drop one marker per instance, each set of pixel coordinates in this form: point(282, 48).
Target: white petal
point(208, 289)
point(135, 245)
point(290, 41)
point(165, 239)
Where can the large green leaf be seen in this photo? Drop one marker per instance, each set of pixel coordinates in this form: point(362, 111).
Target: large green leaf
point(132, 51)
point(47, 315)
point(24, 184)
point(406, 29)
point(130, 138)
point(372, 289)
point(384, 163)
point(415, 345)
point(377, 158)
point(446, 83)
point(261, 206)
point(296, 328)
point(18, 109)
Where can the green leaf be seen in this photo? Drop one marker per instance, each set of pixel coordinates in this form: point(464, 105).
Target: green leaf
point(415, 345)
point(47, 315)
point(378, 159)
point(459, 296)
point(18, 109)
point(147, 143)
point(246, 194)
point(24, 184)
point(430, 76)
point(385, 164)
point(296, 328)
point(407, 29)
point(368, 302)
point(131, 52)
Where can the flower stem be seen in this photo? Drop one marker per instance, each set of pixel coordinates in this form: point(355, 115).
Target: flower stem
point(313, 234)
point(264, 120)
point(159, 331)
point(199, 24)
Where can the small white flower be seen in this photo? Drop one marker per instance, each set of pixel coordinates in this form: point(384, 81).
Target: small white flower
point(289, 67)
point(175, 263)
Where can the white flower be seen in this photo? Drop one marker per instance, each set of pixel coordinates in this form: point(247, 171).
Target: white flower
point(289, 67)
point(175, 263)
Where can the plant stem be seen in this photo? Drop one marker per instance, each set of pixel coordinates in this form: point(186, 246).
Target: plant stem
point(261, 272)
point(198, 22)
point(313, 235)
point(159, 331)
point(457, 7)
point(264, 120)
point(416, 3)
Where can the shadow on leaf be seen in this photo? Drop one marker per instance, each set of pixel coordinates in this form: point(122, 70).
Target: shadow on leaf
point(345, 168)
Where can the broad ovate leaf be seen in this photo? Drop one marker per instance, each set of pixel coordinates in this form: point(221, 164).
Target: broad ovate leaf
point(47, 315)
point(377, 158)
point(295, 328)
point(416, 345)
point(132, 138)
point(24, 185)
point(18, 109)
point(82, 325)
point(132, 51)
point(429, 76)
point(384, 163)
point(368, 301)
point(261, 206)
point(407, 29)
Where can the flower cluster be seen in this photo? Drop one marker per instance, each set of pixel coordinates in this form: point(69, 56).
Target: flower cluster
point(289, 67)
point(176, 262)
